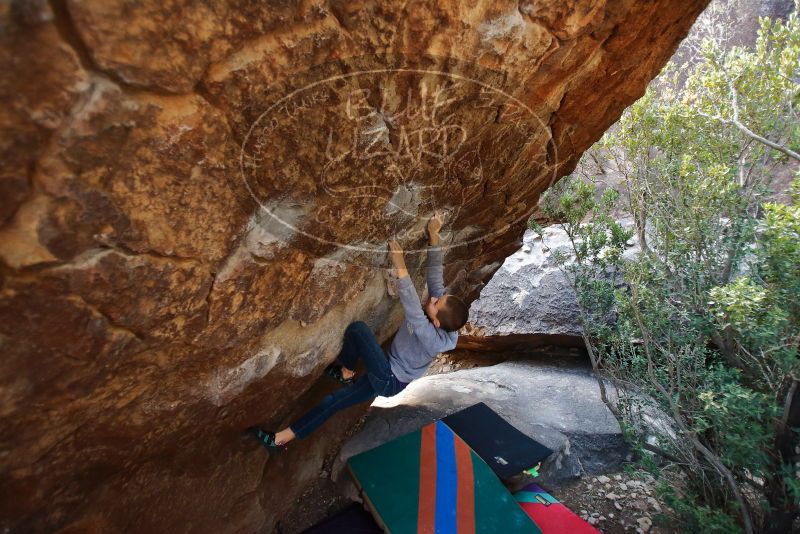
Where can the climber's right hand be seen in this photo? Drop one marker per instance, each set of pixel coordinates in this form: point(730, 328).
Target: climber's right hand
point(435, 223)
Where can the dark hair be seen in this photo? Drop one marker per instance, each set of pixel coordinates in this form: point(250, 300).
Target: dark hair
point(454, 315)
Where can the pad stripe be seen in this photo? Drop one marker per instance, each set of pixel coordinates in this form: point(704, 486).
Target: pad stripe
point(445, 480)
point(465, 509)
point(426, 514)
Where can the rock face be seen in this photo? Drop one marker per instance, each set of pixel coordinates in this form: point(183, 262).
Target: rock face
point(529, 294)
point(529, 300)
point(195, 199)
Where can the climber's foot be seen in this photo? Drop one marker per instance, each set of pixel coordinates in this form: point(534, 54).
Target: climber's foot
point(340, 374)
point(267, 439)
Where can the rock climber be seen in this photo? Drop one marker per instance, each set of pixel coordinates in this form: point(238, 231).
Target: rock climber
point(425, 332)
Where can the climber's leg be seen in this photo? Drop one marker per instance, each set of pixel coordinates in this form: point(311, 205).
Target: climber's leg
point(358, 340)
point(380, 374)
point(360, 391)
point(343, 369)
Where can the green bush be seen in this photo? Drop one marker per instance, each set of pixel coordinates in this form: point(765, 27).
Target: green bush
point(695, 340)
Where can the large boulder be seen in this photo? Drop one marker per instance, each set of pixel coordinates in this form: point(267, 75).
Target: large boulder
point(530, 301)
point(195, 199)
point(530, 294)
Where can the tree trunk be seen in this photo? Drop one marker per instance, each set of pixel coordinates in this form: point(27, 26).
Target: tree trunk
point(783, 509)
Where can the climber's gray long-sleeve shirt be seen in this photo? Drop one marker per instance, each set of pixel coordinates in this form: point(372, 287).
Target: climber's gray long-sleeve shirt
point(418, 341)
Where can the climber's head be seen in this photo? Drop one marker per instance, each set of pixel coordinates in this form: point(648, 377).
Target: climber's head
point(447, 312)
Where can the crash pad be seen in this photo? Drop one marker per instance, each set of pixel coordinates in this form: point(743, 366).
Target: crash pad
point(504, 448)
point(353, 520)
point(551, 516)
point(430, 481)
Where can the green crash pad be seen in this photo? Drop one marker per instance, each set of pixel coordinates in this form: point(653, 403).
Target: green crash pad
point(430, 481)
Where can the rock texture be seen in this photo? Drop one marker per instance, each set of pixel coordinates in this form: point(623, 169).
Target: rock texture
point(529, 301)
point(189, 218)
point(529, 294)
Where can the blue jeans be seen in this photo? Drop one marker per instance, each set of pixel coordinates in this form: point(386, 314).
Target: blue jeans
point(379, 379)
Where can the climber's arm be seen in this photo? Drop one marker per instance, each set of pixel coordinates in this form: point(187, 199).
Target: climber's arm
point(396, 257)
point(405, 289)
point(435, 272)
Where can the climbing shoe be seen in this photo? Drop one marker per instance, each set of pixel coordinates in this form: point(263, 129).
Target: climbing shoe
point(267, 439)
point(334, 371)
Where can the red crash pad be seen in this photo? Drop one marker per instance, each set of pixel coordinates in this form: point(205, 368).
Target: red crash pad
point(551, 516)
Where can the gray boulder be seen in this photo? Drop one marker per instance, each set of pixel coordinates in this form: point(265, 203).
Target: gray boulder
point(529, 294)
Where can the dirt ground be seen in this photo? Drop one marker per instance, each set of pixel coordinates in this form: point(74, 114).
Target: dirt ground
point(615, 502)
